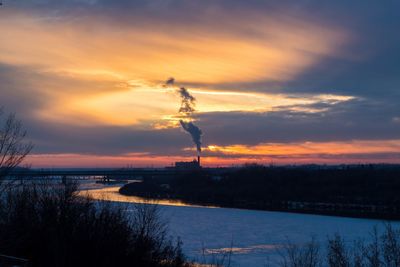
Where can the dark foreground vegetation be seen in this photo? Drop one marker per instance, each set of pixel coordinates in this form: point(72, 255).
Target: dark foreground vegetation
point(53, 226)
point(382, 250)
point(371, 191)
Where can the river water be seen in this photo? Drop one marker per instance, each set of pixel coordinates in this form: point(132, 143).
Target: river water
point(254, 237)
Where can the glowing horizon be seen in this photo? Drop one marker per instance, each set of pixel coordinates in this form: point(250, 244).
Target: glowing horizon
point(352, 152)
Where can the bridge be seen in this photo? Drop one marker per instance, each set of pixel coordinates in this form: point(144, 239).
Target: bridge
point(129, 173)
point(115, 173)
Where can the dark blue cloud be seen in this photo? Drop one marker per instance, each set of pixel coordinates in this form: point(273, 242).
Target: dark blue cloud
point(353, 120)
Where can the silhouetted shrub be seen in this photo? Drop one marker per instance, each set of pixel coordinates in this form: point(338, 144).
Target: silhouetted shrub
point(307, 255)
point(383, 250)
point(53, 226)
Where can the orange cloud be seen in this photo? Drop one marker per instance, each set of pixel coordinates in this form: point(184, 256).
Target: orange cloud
point(279, 49)
point(104, 57)
point(310, 148)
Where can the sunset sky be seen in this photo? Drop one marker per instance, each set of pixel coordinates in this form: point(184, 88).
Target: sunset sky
point(284, 82)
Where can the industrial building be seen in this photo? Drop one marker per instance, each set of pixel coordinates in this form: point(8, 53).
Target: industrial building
point(188, 165)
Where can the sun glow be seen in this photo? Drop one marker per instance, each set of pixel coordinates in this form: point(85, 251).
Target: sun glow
point(112, 76)
point(158, 106)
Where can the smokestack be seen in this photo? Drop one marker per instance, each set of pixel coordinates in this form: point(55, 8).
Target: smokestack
point(198, 160)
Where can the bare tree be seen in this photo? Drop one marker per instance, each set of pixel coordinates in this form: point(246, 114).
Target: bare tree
point(13, 144)
point(304, 255)
point(338, 253)
point(391, 246)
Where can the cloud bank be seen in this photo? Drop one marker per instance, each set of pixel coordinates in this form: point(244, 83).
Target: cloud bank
point(85, 76)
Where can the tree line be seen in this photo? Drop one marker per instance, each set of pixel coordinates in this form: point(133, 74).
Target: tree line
point(359, 190)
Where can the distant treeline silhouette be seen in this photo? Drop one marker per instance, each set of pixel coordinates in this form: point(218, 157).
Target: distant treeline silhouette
point(359, 191)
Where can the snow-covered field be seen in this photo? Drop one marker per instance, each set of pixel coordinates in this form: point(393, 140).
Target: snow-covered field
point(252, 236)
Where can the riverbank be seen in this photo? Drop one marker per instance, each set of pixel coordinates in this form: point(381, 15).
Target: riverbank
point(358, 191)
point(329, 209)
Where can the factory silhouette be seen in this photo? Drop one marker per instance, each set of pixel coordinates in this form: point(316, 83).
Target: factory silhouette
point(189, 165)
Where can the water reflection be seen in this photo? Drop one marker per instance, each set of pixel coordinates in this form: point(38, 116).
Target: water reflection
point(112, 194)
point(244, 250)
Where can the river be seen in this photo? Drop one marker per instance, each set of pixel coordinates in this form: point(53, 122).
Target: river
point(254, 237)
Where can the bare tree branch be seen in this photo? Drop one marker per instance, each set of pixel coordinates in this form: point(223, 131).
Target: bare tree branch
point(13, 145)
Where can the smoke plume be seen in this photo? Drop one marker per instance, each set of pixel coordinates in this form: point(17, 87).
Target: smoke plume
point(188, 104)
point(170, 82)
point(194, 131)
